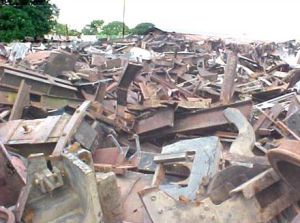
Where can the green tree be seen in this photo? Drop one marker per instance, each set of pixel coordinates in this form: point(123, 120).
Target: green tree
point(141, 28)
point(14, 24)
point(114, 29)
point(93, 28)
point(26, 18)
point(74, 32)
point(60, 29)
point(63, 30)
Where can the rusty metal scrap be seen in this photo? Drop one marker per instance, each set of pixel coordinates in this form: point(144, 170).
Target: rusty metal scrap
point(148, 129)
point(252, 205)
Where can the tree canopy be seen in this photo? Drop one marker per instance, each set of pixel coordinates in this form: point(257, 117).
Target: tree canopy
point(93, 28)
point(114, 29)
point(63, 30)
point(26, 18)
point(141, 28)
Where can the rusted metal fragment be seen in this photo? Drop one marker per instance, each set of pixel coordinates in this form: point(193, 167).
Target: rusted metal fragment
point(12, 177)
point(70, 128)
point(130, 72)
point(32, 131)
point(206, 157)
point(281, 127)
point(170, 85)
point(40, 84)
point(293, 123)
point(234, 158)
point(202, 120)
point(286, 161)
point(257, 183)
point(229, 77)
point(130, 184)
point(244, 143)
point(116, 159)
point(265, 123)
point(74, 199)
point(223, 182)
point(100, 92)
point(261, 207)
point(161, 118)
point(22, 100)
point(294, 106)
point(54, 102)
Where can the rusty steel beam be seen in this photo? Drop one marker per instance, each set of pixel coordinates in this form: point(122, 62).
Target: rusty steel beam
point(22, 100)
point(229, 76)
point(167, 84)
point(161, 118)
point(40, 84)
point(130, 72)
point(71, 127)
point(202, 120)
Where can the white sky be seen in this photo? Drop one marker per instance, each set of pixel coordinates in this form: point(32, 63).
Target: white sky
point(258, 19)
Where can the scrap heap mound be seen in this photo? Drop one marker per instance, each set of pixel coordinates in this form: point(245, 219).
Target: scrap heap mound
point(154, 128)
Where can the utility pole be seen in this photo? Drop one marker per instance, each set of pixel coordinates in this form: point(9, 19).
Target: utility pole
point(124, 3)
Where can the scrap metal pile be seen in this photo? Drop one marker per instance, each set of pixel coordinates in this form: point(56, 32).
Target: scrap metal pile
point(163, 127)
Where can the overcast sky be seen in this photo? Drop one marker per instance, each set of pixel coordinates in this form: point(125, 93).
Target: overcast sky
point(258, 19)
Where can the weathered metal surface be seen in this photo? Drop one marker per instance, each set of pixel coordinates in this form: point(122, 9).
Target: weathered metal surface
point(130, 72)
point(55, 102)
point(6, 216)
point(203, 166)
point(260, 207)
point(130, 184)
point(70, 128)
point(116, 159)
point(22, 100)
point(85, 135)
point(293, 122)
point(223, 182)
point(257, 184)
point(229, 77)
point(110, 197)
point(244, 143)
point(296, 219)
point(32, 131)
point(12, 177)
point(76, 201)
point(40, 84)
point(161, 118)
point(286, 161)
point(170, 85)
point(172, 157)
point(281, 127)
point(263, 122)
point(202, 120)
